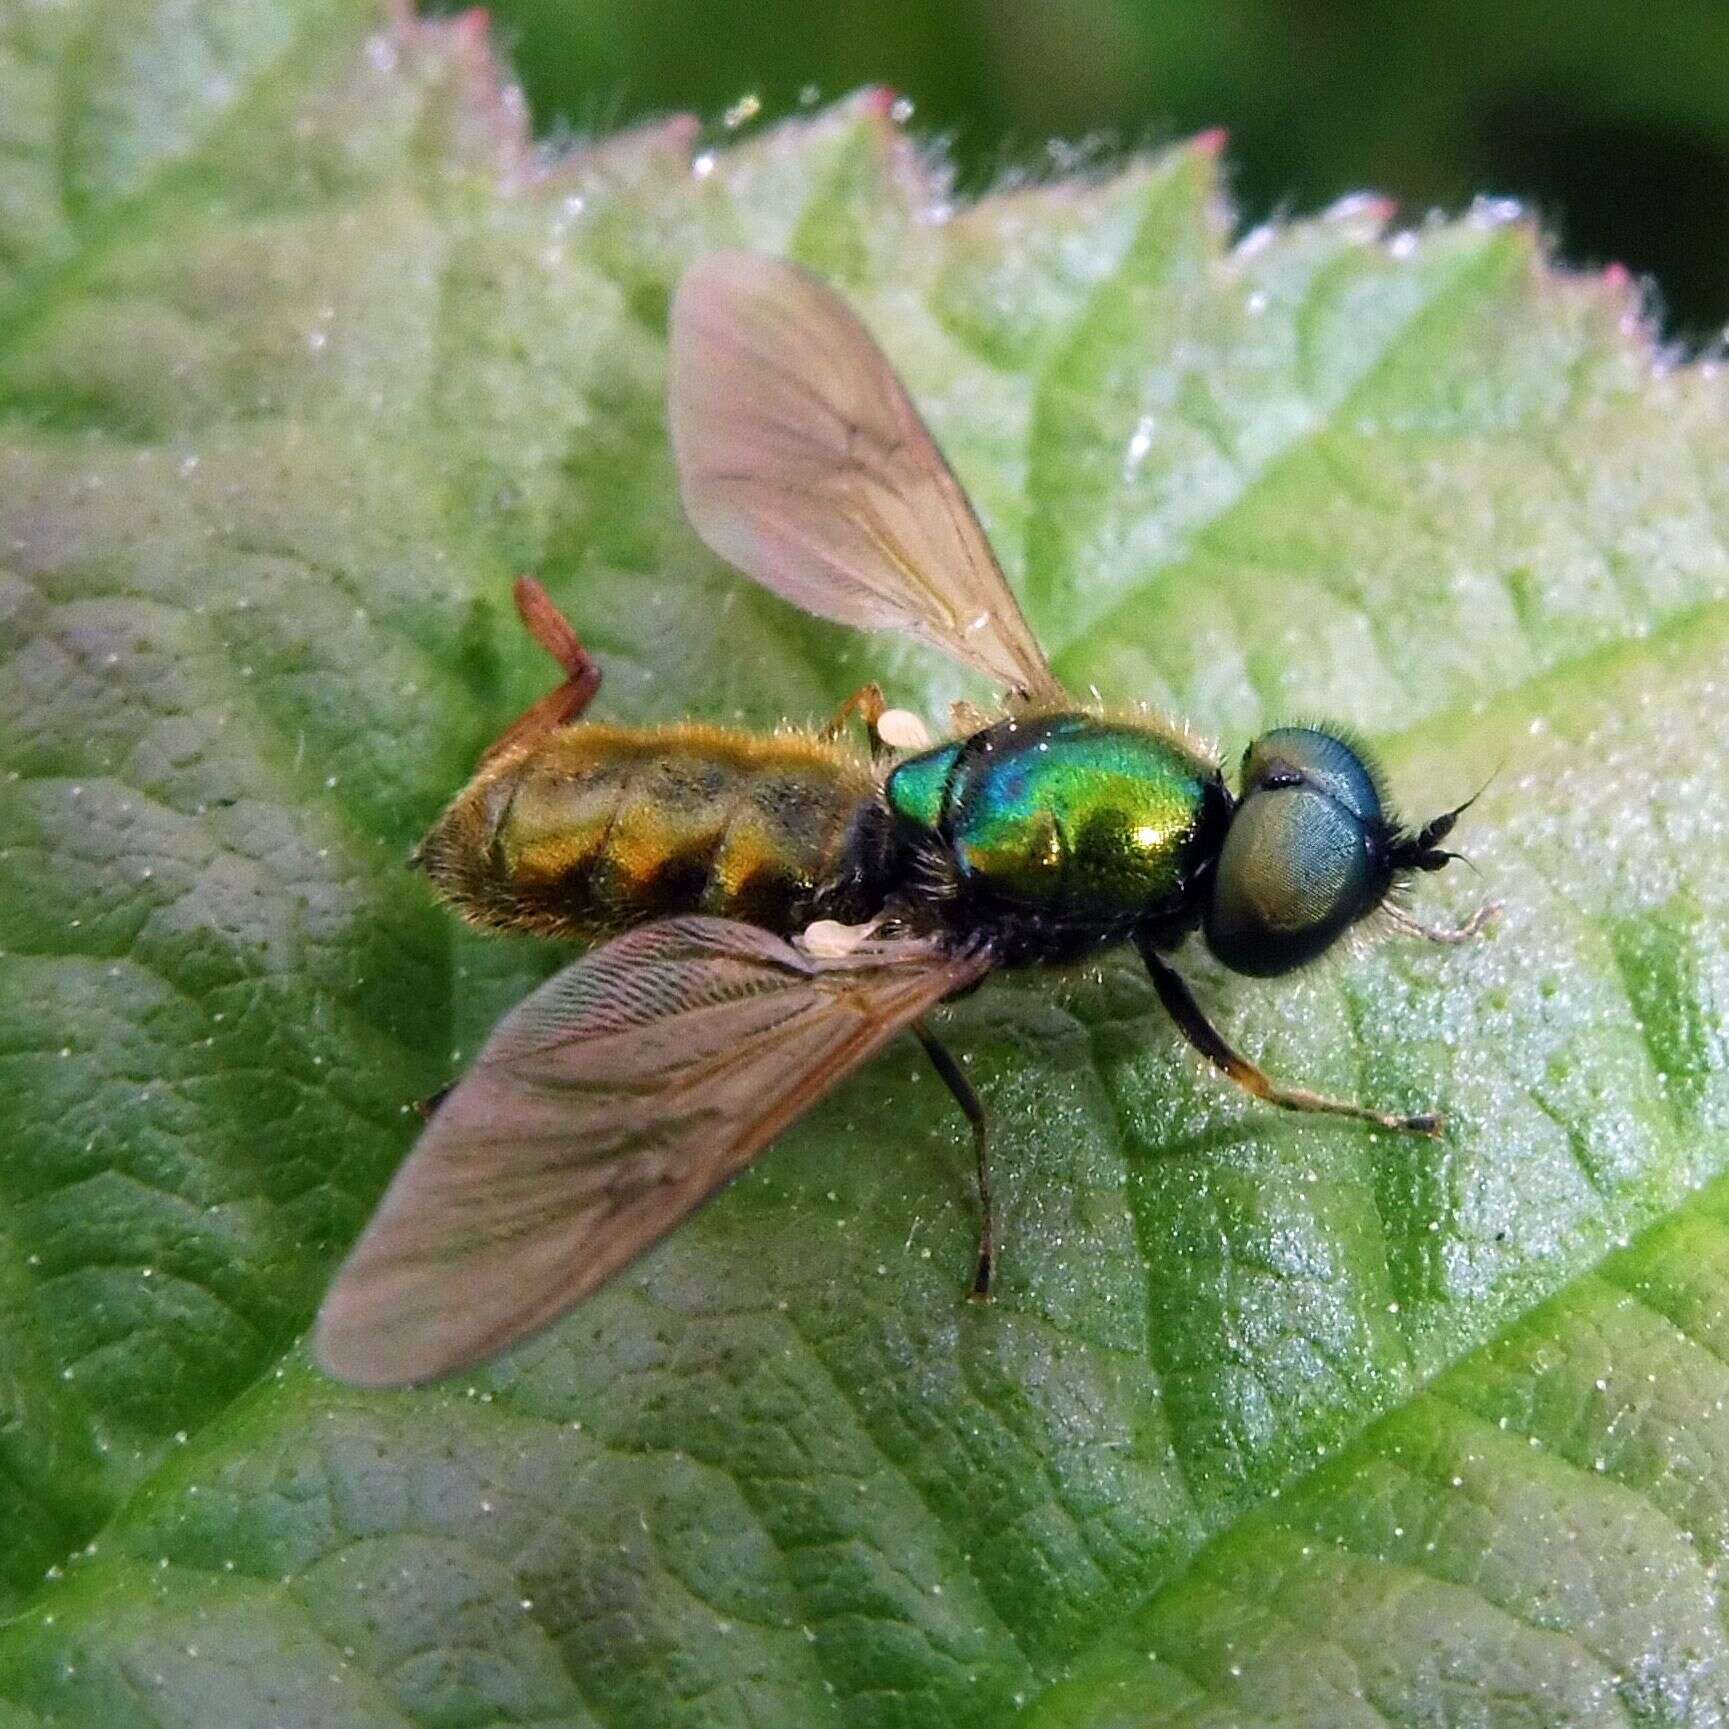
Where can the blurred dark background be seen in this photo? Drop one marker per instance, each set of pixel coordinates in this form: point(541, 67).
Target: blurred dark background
point(1610, 118)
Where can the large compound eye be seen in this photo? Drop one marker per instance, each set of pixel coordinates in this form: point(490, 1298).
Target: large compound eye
point(1301, 860)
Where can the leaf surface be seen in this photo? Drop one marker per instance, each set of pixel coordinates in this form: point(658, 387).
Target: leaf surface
point(304, 353)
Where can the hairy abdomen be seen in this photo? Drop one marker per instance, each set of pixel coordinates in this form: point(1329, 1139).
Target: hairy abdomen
point(593, 829)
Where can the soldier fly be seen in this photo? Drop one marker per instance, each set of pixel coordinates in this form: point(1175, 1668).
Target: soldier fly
point(771, 910)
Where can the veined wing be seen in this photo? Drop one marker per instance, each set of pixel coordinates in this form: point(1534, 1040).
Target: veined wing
point(606, 1107)
point(802, 461)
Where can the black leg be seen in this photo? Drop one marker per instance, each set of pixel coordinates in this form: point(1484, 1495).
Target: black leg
point(1193, 1024)
point(949, 1071)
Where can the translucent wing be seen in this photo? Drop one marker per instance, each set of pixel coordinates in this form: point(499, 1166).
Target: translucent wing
point(604, 1109)
point(802, 461)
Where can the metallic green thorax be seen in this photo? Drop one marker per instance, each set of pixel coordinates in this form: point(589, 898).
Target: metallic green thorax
point(917, 788)
point(1068, 820)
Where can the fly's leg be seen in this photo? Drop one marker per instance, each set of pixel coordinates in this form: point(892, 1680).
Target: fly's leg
point(950, 1074)
point(427, 1108)
point(1474, 926)
point(1193, 1024)
point(890, 729)
point(552, 630)
point(870, 705)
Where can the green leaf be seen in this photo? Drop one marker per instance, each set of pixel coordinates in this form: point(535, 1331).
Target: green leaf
point(303, 354)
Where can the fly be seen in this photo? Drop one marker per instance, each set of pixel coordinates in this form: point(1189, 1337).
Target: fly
point(768, 911)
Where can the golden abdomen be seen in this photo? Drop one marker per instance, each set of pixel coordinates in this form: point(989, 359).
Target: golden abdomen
point(592, 829)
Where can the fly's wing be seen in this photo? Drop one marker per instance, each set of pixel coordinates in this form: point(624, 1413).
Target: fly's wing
point(802, 461)
point(604, 1109)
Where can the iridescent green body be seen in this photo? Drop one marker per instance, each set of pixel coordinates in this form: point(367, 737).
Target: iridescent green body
point(1063, 831)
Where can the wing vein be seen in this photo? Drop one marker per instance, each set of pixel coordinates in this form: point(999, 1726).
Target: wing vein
point(803, 461)
point(604, 1109)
